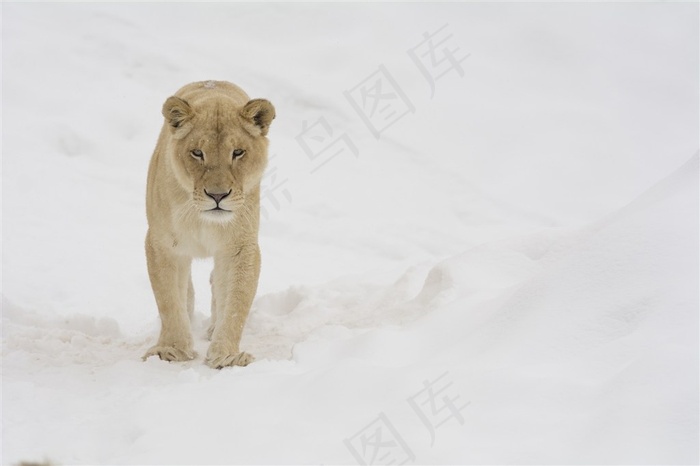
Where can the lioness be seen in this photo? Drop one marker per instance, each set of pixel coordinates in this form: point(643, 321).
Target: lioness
point(203, 200)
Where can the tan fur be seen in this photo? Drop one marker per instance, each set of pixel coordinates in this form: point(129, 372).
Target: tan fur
point(215, 118)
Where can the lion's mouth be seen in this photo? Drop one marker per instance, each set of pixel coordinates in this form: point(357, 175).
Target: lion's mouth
point(218, 215)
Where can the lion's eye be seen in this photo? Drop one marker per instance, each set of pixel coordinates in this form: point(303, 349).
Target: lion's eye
point(238, 153)
point(196, 153)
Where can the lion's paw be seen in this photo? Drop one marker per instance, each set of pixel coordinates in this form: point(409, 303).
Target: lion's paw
point(217, 359)
point(170, 353)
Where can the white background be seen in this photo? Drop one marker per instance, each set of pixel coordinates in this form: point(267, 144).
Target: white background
point(530, 230)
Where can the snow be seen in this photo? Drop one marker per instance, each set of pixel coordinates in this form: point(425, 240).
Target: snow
point(524, 243)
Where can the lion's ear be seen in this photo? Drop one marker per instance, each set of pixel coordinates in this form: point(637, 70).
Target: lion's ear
point(177, 111)
point(257, 116)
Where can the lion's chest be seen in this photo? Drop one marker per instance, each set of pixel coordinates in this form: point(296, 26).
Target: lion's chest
point(197, 242)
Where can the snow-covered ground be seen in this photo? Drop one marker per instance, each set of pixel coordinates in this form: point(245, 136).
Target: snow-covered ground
point(508, 273)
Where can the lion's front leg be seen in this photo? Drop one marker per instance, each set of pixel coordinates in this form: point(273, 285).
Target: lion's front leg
point(170, 280)
point(234, 283)
point(212, 326)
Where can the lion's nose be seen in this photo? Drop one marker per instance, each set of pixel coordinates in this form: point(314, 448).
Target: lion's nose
point(217, 196)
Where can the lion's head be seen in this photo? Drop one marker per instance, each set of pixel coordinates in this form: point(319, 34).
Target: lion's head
point(218, 151)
